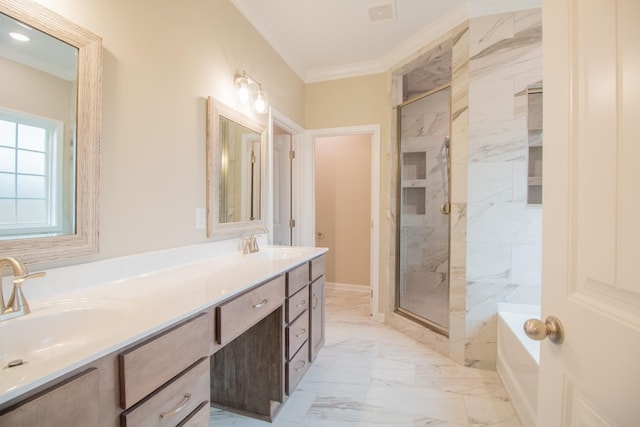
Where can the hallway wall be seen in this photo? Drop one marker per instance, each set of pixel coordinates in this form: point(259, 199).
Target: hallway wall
point(343, 206)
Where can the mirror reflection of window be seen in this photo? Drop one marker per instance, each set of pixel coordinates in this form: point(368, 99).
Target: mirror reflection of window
point(31, 188)
point(38, 103)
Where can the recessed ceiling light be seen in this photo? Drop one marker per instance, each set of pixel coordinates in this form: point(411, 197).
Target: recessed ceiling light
point(20, 37)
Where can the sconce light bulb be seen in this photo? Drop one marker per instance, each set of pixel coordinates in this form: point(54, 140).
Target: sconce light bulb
point(243, 89)
point(244, 94)
point(260, 103)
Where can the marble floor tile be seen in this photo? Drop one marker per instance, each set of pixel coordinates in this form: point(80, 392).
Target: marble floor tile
point(371, 375)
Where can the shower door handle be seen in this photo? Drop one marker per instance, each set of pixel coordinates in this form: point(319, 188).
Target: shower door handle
point(445, 208)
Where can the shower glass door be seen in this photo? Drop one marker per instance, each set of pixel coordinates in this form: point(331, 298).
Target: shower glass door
point(424, 181)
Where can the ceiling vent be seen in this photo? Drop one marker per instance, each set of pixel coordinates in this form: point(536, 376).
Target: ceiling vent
point(382, 12)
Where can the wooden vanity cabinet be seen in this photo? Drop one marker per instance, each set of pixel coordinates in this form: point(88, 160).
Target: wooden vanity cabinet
point(296, 326)
point(247, 370)
point(317, 309)
point(165, 379)
point(71, 402)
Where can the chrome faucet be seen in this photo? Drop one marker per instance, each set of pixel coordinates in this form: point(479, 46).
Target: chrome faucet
point(17, 304)
point(250, 244)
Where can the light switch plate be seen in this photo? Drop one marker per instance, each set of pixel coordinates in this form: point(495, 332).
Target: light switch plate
point(201, 218)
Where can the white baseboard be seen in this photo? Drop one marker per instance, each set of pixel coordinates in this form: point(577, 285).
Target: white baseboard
point(348, 287)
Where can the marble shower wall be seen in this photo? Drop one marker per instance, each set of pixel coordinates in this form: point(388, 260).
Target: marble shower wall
point(503, 234)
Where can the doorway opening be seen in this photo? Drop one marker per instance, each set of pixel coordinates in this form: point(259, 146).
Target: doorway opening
point(368, 222)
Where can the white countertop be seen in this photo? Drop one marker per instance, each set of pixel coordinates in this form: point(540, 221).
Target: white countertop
point(116, 313)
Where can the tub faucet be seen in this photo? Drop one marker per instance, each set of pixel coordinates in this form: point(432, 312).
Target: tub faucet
point(17, 304)
point(250, 244)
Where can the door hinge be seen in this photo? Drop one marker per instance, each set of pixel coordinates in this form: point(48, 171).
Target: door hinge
point(292, 154)
point(292, 223)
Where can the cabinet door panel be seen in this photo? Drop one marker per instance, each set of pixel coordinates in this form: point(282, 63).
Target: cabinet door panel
point(316, 334)
point(71, 403)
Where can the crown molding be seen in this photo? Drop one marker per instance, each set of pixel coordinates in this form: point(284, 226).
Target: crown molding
point(471, 9)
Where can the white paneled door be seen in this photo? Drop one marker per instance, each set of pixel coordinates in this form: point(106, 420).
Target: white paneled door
point(591, 214)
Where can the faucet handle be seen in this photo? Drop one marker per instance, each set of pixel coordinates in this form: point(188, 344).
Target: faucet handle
point(19, 280)
point(17, 302)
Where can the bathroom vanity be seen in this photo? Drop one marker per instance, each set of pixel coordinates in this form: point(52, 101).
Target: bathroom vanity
point(232, 331)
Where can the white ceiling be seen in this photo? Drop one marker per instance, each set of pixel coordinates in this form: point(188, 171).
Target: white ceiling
point(329, 39)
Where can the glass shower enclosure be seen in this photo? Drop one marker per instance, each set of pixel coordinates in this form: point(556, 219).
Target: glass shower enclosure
point(424, 125)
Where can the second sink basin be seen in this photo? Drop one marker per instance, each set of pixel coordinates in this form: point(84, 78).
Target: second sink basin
point(276, 253)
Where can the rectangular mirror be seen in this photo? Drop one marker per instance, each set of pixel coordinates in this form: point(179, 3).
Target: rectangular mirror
point(50, 107)
point(236, 146)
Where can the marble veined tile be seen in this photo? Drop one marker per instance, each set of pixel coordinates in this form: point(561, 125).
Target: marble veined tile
point(490, 101)
point(526, 264)
point(525, 20)
point(490, 182)
point(485, 412)
point(503, 222)
point(488, 262)
point(489, 30)
point(419, 403)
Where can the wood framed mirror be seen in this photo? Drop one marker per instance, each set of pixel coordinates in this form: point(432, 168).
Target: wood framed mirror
point(81, 140)
point(236, 150)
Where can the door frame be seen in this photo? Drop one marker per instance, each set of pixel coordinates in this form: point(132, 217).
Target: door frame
point(308, 199)
point(298, 137)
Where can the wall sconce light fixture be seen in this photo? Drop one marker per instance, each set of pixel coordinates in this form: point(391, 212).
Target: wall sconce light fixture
point(250, 92)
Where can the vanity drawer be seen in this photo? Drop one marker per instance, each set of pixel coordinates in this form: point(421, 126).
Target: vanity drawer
point(198, 418)
point(239, 314)
point(152, 363)
point(296, 334)
point(173, 402)
point(71, 402)
point(296, 304)
point(297, 279)
point(317, 267)
point(296, 368)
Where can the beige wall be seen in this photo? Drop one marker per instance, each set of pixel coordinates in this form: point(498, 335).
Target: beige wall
point(343, 206)
point(161, 60)
point(357, 101)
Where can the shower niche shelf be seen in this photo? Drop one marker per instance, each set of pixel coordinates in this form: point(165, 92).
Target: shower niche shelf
point(414, 182)
point(414, 166)
point(413, 200)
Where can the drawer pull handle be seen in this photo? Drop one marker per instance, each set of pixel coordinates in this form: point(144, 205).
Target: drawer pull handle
point(303, 302)
point(301, 333)
point(315, 301)
point(262, 303)
point(301, 364)
point(180, 407)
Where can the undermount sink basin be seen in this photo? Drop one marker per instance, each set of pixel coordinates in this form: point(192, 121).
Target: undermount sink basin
point(57, 328)
point(275, 253)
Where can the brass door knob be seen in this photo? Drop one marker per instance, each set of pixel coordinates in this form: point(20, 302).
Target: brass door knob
point(538, 330)
point(445, 208)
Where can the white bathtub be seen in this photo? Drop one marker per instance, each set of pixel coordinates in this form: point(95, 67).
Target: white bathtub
point(518, 359)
